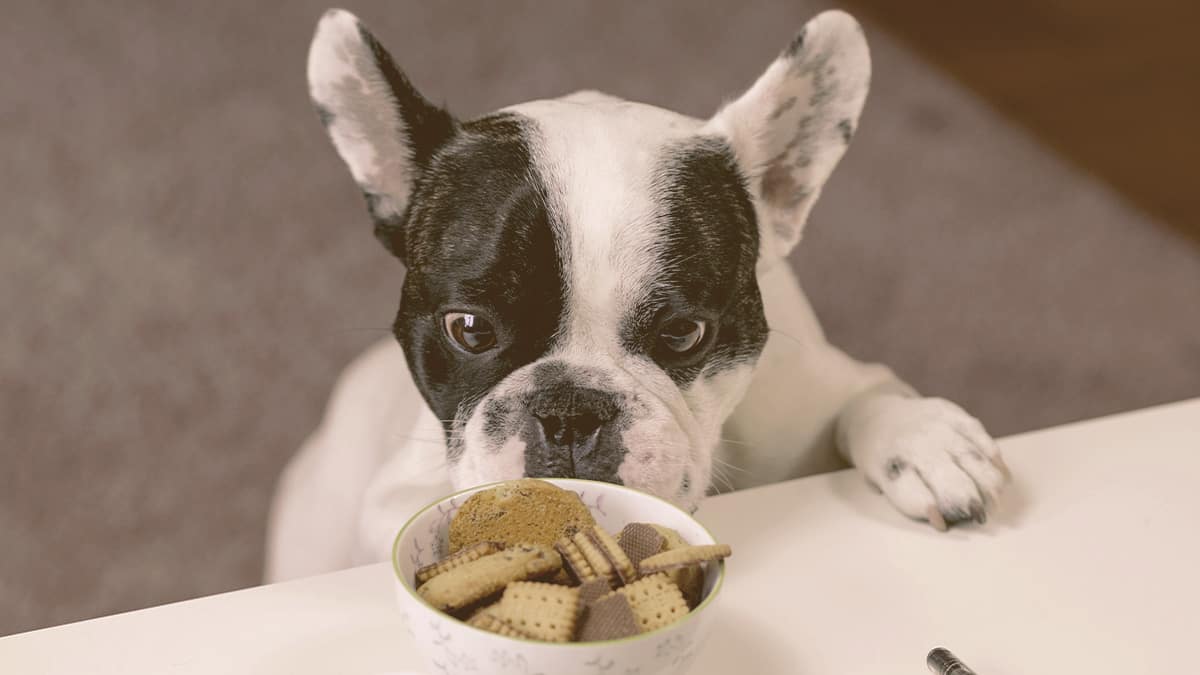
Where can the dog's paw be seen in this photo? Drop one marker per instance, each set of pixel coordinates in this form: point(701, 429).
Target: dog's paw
point(929, 457)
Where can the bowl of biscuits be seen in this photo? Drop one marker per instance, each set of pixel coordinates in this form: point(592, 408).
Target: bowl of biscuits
point(557, 576)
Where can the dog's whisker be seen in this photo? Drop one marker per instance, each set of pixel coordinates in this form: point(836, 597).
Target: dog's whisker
point(362, 329)
point(454, 436)
point(724, 464)
point(781, 333)
point(718, 477)
point(419, 440)
point(719, 471)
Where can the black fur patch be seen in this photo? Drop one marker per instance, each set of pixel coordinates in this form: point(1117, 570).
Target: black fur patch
point(707, 255)
point(426, 129)
point(847, 129)
point(796, 44)
point(477, 238)
point(324, 114)
point(778, 112)
point(500, 421)
point(426, 126)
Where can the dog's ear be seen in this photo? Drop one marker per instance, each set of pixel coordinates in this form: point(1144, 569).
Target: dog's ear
point(789, 130)
point(384, 130)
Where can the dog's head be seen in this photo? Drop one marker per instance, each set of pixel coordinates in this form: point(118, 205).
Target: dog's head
point(581, 295)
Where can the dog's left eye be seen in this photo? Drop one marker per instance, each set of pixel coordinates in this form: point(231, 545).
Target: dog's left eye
point(471, 332)
point(681, 335)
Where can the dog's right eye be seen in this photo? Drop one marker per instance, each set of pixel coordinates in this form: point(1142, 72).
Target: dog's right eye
point(470, 332)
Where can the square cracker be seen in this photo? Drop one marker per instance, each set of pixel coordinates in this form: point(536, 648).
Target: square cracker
point(543, 611)
point(493, 624)
point(656, 601)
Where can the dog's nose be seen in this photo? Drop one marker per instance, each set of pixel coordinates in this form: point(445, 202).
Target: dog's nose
point(569, 426)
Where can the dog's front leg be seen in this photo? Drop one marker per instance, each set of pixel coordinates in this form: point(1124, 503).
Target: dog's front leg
point(809, 402)
point(413, 476)
point(376, 459)
point(934, 461)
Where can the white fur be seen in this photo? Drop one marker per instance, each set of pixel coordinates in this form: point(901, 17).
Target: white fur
point(343, 80)
point(806, 407)
point(786, 128)
point(597, 155)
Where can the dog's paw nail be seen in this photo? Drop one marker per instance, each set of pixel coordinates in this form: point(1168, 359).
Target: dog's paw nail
point(1002, 467)
point(972, 512)
point(935, 519)
point(979, 512)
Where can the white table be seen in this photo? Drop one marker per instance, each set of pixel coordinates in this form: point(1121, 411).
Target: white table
point(1092, 567)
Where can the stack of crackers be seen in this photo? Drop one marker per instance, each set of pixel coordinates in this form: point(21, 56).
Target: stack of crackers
point(528, 561)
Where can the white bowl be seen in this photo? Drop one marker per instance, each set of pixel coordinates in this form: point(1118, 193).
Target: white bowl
point(452, 647)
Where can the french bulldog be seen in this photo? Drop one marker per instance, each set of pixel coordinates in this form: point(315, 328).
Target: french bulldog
point(598, 288)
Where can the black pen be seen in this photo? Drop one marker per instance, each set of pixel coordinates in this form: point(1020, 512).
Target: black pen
point(942, 662)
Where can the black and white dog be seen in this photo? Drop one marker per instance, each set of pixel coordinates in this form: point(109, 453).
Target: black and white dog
point(599, 288)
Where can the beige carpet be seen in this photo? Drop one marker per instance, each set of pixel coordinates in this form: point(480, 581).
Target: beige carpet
point(185, 265)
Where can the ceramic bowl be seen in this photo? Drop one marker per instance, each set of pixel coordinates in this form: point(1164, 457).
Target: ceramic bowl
point(451, 647)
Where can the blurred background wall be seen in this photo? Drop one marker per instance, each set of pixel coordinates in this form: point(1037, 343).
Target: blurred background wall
point(185, 266)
